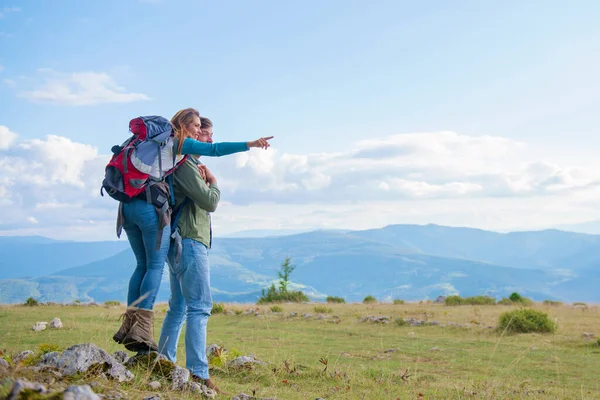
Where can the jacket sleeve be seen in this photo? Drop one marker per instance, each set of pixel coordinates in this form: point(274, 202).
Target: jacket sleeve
point(192, 146)
point(190, 182)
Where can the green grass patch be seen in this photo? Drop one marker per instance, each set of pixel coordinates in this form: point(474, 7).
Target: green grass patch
point(322, 309)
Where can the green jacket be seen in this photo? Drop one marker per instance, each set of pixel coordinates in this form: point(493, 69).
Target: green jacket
point(194, 221)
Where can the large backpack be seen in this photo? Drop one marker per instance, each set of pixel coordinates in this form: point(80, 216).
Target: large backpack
point(140, 161)
point(139, 168)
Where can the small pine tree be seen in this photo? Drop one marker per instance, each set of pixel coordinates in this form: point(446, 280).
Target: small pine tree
point(284, 274)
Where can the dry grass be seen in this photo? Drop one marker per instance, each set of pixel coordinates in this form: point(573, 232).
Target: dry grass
point(316, 358)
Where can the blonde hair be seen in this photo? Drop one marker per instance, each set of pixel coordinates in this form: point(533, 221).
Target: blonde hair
point(180, 121)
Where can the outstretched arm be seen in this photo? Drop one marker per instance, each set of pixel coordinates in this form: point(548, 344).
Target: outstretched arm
point(192, 146)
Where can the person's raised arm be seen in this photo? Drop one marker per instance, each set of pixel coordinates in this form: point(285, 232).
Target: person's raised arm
point(192, 146)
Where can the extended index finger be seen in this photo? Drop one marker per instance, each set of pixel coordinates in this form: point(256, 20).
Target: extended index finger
point(268, 137)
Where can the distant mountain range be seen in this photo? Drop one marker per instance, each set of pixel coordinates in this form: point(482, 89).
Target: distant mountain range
point(410, 262)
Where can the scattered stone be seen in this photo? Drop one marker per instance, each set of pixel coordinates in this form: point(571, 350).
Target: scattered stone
point(244, 396)
point(440, 300)
point(434, 348)
point(391, 351)
point(39, 326)
point(81, 357)
point(320, 316)
point(179, 377)
point(21, 385)
point(212, 350)
point(588, 335)
point(154, 385)
point(194, 387)
point(377, 319)
point(251, 311)
point(83, 392)
point(244, 362)
point(155, 397)
point(293, 314)
point(411, 334)
point(230, 312)
point(121, 356)
point(55, 324)
point(307, 316)
point(22, 356)
point(533, 348)
point(49, 360)
point(4, 363)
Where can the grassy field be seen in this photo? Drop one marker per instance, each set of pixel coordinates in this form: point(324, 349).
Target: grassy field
point(311, 358)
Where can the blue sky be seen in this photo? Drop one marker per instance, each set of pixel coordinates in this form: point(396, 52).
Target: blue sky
point(454, 80)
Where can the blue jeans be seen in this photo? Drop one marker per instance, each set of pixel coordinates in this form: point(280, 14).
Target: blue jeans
point(190, 299)
point(141, 225)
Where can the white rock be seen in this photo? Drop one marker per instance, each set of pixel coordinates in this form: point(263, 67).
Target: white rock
point(154, 385)
point(39, 326)
point(22, 356)
point(83, 392)
point(56, 323)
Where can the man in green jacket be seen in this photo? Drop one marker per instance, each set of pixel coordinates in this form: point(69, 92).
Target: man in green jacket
point(190, 277)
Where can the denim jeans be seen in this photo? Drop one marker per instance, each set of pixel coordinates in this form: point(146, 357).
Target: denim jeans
point(190, 300)
point(141, 225)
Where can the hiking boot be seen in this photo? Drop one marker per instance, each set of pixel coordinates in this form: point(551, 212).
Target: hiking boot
point(140, 336)
point(206, 382)
point(126, 318)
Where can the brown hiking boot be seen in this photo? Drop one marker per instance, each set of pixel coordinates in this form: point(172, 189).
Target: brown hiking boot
point(206, 382)
point(140, 336)
point(125, 325)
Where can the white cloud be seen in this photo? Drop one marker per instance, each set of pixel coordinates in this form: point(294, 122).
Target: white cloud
point(1, 67)
point(443, 177)
point(32, 220)
point(78, 88)
point(6, 137)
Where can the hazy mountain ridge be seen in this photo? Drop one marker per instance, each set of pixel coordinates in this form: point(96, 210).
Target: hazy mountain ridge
point(399, 261)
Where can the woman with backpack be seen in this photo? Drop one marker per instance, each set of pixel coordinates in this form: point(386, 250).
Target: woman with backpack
point(148, 231)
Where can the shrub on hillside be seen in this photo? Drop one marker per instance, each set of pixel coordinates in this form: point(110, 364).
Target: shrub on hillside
point(580, 304)
point(516, 299)
point(276, 309)
point(282, 294)
point(369, 300)
point(274, 295)
point(475, 300)
point(31, 302)
point(400, 321)
point(525, 320)
point(322, 309)
point(218, 308)
point(111, 303)
point(552, 303)
point(398, 301)
point(333, 299)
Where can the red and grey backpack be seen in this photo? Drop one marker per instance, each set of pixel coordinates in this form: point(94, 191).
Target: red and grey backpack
point(140, 162)
point(139, 167)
